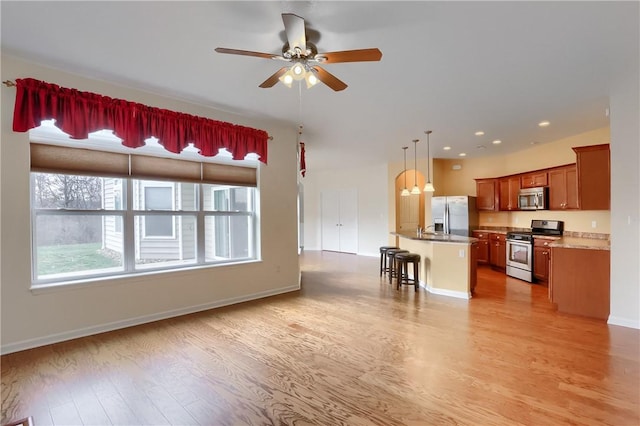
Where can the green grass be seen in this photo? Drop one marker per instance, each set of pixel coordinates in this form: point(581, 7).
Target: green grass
point(73, 258)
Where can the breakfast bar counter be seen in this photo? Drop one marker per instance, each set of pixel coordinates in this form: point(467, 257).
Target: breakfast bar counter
point(447, 262)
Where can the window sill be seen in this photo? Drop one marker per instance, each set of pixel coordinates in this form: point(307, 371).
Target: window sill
point(113, 280)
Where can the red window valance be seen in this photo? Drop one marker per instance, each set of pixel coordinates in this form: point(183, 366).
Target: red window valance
point(80, 113)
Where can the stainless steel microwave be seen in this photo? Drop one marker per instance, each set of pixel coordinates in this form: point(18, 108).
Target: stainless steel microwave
point(533, 198)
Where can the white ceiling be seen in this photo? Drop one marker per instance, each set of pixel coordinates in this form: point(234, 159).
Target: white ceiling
point(451, 67)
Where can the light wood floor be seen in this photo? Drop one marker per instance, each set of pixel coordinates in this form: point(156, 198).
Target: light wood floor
point(347, 349)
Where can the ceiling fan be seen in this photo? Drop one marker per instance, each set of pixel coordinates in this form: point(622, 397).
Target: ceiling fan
point(305, 59)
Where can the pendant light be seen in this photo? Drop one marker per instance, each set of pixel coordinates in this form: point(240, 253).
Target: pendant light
point(428, 187)
point(415, 190)
point(405, 192)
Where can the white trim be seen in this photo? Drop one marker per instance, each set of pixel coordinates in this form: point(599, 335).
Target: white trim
point(445, 292)
point(88, 331)
point(624, 322)
point(369, 254)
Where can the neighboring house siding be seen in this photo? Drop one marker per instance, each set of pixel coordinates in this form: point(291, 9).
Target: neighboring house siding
point(112, 233)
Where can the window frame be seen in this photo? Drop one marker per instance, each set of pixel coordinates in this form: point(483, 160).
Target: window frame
point(128, 216)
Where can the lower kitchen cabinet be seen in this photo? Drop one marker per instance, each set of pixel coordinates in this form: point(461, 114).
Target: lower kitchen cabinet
point(473, 273)
point(498, 251)
point(483, 246)
point(541, 259)
point(579, 281)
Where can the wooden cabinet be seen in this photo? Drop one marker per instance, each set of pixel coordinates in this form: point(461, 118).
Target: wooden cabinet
point(594, 177)
point(579, 281)
point(541, 259)
point(509, 189)
point(483, 246)
point(486, 194)
point(473, 278)
point(498, 251)
point(563, 188)
point(534, 179)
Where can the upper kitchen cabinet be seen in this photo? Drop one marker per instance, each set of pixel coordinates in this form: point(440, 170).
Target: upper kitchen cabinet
point(509, 189)
point(563, 188)
point(534, 180)
point(486, 194)
point(594, 177)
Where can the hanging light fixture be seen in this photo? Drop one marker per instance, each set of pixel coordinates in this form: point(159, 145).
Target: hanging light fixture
point(300, 70)
point(415, 190)
point(428, 187)
point(405, 192)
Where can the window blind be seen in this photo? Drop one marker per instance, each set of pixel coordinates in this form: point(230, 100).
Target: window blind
point(61, 159)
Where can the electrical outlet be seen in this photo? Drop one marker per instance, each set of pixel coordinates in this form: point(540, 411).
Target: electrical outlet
point(461, 253)
point(516, 220)
point(594, 224)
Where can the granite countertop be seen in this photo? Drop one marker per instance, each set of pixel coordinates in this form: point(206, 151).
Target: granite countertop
point(437, 237)
point(491, 231)
point(582, 243)
point(580, 240)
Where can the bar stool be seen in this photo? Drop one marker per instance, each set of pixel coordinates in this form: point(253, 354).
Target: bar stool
point(383, 258)
point(393, 272)
point(402, 262)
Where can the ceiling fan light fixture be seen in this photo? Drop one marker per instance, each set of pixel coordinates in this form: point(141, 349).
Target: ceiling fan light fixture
point(287, 78)
point(297, 71)
point(311, 79)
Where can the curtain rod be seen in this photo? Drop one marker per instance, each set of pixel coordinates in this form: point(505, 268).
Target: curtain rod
point(10, 83)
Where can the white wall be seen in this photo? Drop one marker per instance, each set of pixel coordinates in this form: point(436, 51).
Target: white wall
point(373, 200)
point(625, 200)
point(30, 319)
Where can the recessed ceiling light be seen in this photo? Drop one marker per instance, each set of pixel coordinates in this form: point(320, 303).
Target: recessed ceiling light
point(497, 142)
point(543, 123)
point(479, 133)
point(462, 154)
point(447, 148)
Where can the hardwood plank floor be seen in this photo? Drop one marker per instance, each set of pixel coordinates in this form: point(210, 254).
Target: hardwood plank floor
point(347, 349)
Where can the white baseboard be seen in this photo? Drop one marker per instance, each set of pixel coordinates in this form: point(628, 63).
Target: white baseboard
point(445, 292)
point(88, 331)
point(369, 254)
point(624, 322)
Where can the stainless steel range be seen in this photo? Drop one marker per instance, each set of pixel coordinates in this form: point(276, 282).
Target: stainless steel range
point(520, 247)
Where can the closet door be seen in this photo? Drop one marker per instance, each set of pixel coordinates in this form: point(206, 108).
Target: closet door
point(340, 220)
point(330, 220)
point(349, 221)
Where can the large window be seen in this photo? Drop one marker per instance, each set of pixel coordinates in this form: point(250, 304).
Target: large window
point(87, 226)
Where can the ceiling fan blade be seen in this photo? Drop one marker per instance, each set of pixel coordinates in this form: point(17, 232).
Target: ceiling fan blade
point(360, 55)
point(294, 27)
point(271, 81)
point(329, 79)
point(245, 53)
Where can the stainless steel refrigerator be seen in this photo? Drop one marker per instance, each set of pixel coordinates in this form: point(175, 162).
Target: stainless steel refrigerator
point(454, 215)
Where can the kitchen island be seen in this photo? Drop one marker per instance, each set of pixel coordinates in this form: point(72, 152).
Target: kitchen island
point(447, 262)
